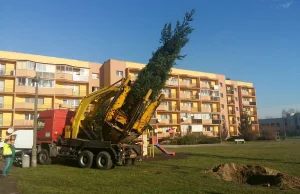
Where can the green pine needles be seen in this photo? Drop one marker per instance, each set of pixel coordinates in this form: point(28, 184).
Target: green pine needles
point(156, 72)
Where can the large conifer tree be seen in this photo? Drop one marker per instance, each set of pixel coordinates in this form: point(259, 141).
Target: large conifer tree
point(155, 73)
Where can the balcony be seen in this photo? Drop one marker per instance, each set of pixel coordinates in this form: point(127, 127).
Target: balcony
point(187, 85)
point(172, 83)
point(7, 72)
point(252, 103)
point(25, 73)
point(23, 123)
point(196, 121)
point(205, 109)
point(214, 98)
point(246, 103)
point(24, 106)
point(186, 108)
point(64, 91)
point(245, 93)
point(231, 112)
point(206, 121)
point(25, 89)
point(195, 109)
point(185, 96)
point(164, 121)
point(163, 108)
point(230, 92)
point(205, 98)
point(216, 110)
point(204, 85)
point(47, 91)
point(64, 76)
point(186, 121)
point(254, 122)
point(169, 95)
point(216, 121)
point(232, 122)
point(230, 102)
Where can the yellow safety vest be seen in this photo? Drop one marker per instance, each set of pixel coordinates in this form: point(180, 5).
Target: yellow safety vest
point(6, 150)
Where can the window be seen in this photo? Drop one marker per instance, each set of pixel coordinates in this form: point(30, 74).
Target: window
point(94, 89)
point(237, 108)
point(2, 86)
point(40, 124)
point(221, 94)
point(71, 102)
point(2, 69)
point(135, 74)
point(28, 65)
point(119, 73)
point(46, 84)
point(236, 99)
point(29, 116)
point(238, 118)
point(209, 129)
point(187, 80)
point(95, 76)
point(207, 105)
point(188, 104)
point(1, 119)
point(22, 81)
point(1, 101)
point(220, 84)
point(223, 117)
point(32, 100)
point(64, 69)
point(206, 116)
point(204, 93)
point(222, 106)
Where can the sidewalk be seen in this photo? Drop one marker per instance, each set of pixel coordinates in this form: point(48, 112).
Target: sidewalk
point(8, 185)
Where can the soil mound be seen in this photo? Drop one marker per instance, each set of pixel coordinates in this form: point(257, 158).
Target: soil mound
point(255, 175)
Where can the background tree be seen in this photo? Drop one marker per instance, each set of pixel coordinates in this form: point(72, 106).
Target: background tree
point(224, 132)
point(156, 72)
point(245, 127)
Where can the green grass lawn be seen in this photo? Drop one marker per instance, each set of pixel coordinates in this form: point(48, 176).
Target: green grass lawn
point(167, 176)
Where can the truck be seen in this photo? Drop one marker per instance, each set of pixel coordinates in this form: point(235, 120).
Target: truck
point(72, 135)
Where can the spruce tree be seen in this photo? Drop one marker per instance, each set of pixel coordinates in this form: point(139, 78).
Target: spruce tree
point(245, 126)
point(155, 73)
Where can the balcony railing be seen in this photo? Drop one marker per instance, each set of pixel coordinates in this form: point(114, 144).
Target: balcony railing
point(232, 122)
point(204, 85)
point(205, 109)
point(215, 98)
point(169, 95)
point(205, 98)
point(186, 108)
point(186, 121)
point(230, 102)
point(187, 84)
point(172, 83)
point(197, 121)
point(215, 110)
point(252, 103)
point(7, 72)
point(230, 91)
point(254, 122)
point(231, 112)
point(23, 123)
point(216, 121)
point(206, 121)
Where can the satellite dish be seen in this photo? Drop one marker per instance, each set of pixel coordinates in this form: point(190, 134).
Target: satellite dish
point(10, 130)
point(183, 118)
point(159, 120)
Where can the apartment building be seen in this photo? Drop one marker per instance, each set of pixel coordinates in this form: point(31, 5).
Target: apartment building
point(194, 101)
point(63, 83)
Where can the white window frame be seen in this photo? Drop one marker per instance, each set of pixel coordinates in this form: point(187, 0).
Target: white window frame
point(119, 73)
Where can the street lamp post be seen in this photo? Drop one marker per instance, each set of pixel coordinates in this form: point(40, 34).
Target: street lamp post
point(36, 80)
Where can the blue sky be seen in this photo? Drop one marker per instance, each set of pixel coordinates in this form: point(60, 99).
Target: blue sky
point(251, 40)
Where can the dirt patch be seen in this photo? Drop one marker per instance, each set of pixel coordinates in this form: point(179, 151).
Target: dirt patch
point(255, 175)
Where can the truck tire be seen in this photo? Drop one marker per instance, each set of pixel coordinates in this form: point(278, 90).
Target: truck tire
point(85, 159)
point(104, 161)
point(43, 157)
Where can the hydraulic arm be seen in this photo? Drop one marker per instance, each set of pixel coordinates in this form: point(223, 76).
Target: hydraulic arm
point(118, 127)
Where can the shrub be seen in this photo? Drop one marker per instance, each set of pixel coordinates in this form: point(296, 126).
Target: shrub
point(187, 140)
point(203, 139)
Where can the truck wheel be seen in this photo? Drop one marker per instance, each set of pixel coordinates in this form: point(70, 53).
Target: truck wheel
point(85, 159)
point(43, 157)
point(104, 161)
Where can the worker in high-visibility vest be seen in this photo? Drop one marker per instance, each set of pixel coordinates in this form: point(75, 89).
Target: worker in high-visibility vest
point(9, 156)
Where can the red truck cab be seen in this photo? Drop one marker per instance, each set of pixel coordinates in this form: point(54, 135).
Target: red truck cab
point(51, 124)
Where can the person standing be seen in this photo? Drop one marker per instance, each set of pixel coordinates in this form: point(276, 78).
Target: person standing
point(9, 154)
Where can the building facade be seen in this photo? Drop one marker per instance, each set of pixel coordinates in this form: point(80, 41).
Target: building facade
point(194, 101)
point(287, 125)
